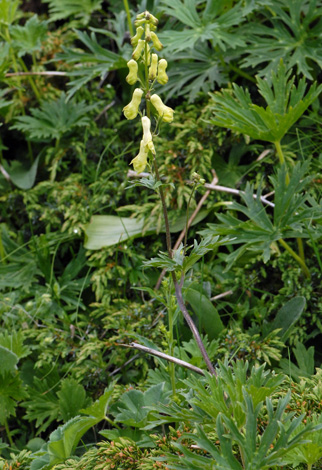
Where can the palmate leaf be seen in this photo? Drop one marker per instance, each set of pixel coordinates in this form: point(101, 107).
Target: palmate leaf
point(95, 63)
point(54, 119)
point(28, 38)
point(215, 23)
point(63, 9)
point(292, 31)
point(292, 214)
point(196, 70)
point(286, 104)
point(11, 391)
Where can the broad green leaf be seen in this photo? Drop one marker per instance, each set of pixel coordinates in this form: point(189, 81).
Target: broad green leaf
point(72, 397)
point(209, 319)
point(108, 230)
point(99, 408)
point(8, 360)
point(11, 391)
point(62, 442)
point(14, 343)
point(22, 177)
point(287, 316)
point(133, 407)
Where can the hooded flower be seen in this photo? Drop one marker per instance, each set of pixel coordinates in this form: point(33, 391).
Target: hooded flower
point(131, 110)
point(156, 42)
point(147, 136)
point(138, 50)
point(165, 112)
point(162, 77)
point(135, 39)
point(140, 161)
point(153, 67)
point(132, 76)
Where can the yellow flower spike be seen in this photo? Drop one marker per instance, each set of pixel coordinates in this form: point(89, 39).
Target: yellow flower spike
point(147, 136)
point(165, 112)
point(162, 77)
point(132, 76)
point(138, 35)
point(156, 41)
point(140, 161)
point(138, 50)
point(131, 110)
point(153, 67)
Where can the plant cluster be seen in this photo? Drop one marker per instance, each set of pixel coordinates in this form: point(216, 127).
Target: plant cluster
point(167, 316)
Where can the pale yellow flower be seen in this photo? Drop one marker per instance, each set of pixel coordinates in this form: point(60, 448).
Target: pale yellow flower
point(132, 76)
point(140, 161)
point(162, 77)
point(131, 110)
point(165, 112)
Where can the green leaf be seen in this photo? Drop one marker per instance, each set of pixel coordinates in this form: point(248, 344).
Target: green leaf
point(287, 30)
point(8, 360)
point(63, 9)
point(72, 397)
point(28, 38)
point(14, 343)
point(99, 408)
point(62, 442)
point(11, 391)
point(132, 408)
point(207, 314)
point(9, 11)
point(54, 119)
point(22, 177)
point(108, 230)
point(286, 104)
point(287, 316)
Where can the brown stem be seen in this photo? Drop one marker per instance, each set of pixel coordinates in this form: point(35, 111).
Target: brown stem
point(162, 355)
point(165, 212)
point(185, 229)
point(191, 325)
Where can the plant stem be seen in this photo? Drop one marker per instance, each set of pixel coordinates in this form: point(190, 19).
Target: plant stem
point(31, 81)
point(296, 257)
point(128, 14)
point(242, 73)
point(8, 432)
point(280, 154)
point(187, 219)
point(162, 355)
point(177, 287)
point(300, 247)
point(171, 366)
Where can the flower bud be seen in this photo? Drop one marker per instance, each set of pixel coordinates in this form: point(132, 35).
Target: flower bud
point(138, 35)
point(151, 18)
point(153, 67)
point(165, 112)
point(156, 41)
point(140, 161)
point(139, 22)
point(131, 110)
point(147, 136)
point(133, 72)
point(138, 50)
point(162, 77)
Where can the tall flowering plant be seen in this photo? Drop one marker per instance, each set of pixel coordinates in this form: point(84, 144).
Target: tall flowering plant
point(146, 68)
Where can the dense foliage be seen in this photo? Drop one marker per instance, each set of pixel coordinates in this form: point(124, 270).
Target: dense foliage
point(93, 282)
